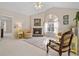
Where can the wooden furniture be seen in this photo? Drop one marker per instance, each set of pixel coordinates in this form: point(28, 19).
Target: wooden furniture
point(19, 33)
point(63, 45)
point(2, 33)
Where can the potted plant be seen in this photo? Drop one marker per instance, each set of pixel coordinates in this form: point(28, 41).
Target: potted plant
point(76, 20)
point(76, 33)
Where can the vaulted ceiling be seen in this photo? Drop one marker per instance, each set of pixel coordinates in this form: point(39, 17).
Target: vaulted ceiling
point(27, 8)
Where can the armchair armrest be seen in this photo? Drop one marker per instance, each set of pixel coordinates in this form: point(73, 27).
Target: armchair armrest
point(52, 41)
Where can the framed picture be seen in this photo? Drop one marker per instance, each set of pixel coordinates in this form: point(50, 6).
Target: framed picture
point(66, 19)
point(37, 22)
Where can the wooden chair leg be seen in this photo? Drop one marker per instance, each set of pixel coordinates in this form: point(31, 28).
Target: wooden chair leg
point(47, 49)
point(60, 54)
point(69, 52)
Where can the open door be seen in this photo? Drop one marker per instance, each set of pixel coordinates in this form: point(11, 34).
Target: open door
point(5, 26)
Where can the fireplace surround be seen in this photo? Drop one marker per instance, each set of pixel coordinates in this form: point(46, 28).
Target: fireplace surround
point(37, 32)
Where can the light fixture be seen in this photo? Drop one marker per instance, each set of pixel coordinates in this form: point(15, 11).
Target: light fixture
point(38, 5)
point(18, 25)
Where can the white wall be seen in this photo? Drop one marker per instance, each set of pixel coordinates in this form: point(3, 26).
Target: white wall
point(16, 17)
point(27, 23)
point(60, 12)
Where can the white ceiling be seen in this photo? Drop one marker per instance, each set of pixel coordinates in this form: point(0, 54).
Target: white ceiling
point(27, 8)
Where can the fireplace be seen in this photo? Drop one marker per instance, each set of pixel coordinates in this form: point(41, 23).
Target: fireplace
point(37, 32)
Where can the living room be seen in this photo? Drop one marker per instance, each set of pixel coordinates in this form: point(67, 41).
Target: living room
point(35, 26)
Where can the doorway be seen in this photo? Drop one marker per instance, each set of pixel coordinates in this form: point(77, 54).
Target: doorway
point(5, 26)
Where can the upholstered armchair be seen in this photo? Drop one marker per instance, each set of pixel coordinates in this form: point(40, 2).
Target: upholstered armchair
point(27, 33)
point(63, 45)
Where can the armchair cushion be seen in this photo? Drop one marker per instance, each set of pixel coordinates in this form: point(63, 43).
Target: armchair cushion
point(56, 48)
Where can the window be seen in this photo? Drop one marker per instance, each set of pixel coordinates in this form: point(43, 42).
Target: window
point(51, 25)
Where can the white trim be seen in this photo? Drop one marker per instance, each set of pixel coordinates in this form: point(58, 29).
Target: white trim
point(11, 18)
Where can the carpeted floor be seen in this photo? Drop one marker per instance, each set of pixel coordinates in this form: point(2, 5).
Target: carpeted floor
point(41, 42)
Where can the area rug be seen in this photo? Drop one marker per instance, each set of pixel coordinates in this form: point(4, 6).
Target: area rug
point(39, 42)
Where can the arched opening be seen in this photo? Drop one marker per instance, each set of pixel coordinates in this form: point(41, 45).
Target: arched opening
point(51, 26)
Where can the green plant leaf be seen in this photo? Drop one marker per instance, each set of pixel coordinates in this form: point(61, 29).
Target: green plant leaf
point(77, 16)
